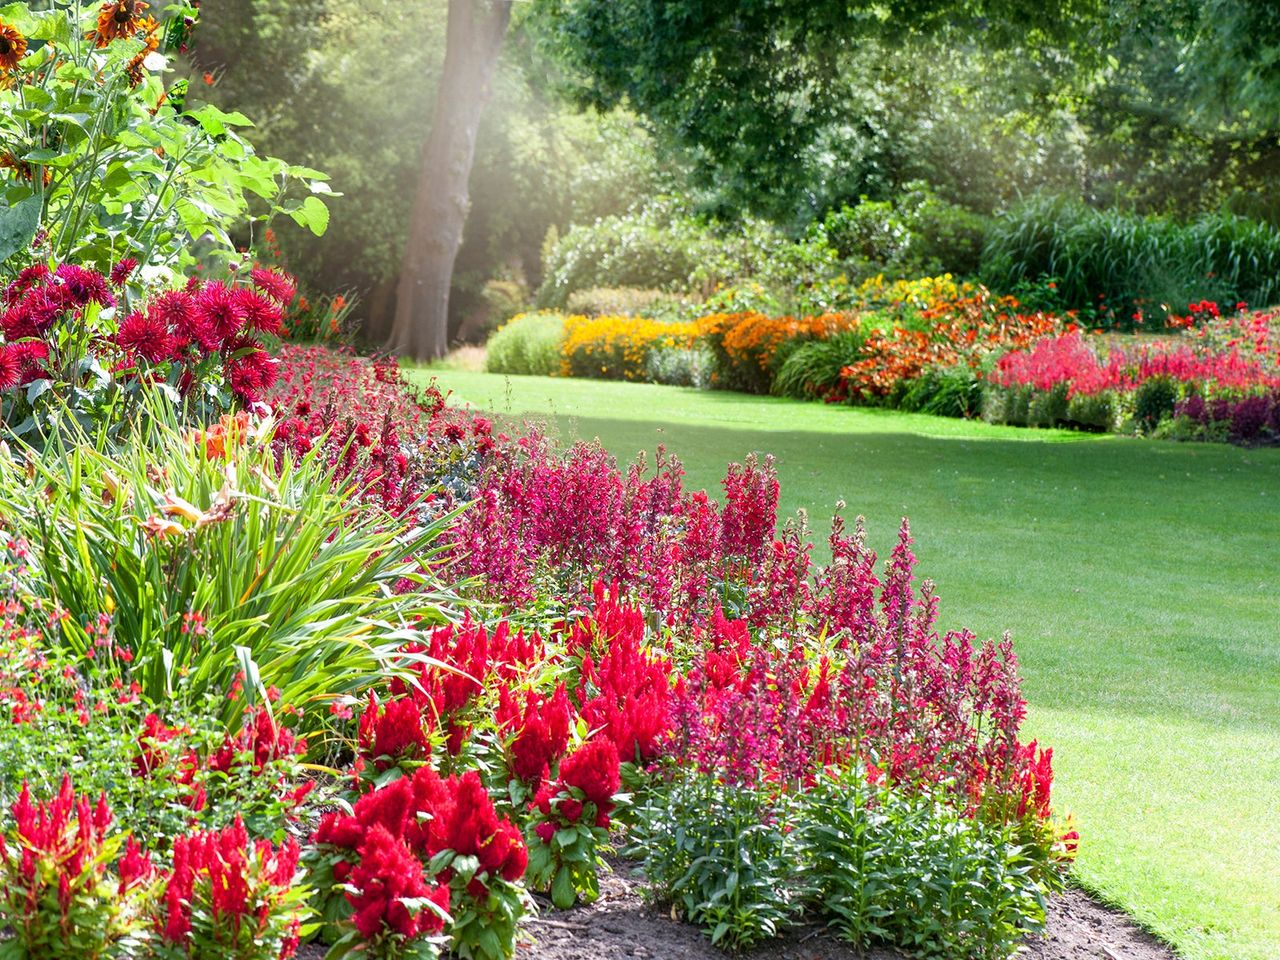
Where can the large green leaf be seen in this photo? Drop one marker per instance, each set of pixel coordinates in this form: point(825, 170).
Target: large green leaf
point(18, 225)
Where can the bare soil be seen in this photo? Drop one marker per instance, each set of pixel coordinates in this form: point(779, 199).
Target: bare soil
point(622, 926)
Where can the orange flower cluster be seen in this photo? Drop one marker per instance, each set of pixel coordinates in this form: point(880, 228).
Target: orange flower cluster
point(618, 347)
point(961, 331)
point(747, 343)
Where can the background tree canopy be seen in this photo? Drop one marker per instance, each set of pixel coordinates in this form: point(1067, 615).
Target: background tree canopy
point(720, 110)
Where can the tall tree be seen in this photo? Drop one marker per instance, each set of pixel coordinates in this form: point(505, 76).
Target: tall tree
point(473, 41)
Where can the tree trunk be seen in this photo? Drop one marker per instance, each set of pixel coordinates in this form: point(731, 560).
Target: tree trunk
point(474, 39)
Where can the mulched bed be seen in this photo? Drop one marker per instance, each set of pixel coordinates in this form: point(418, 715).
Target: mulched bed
point(621, 926)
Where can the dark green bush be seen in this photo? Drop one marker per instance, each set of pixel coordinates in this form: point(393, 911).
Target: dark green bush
point(1009, 405)
point(641, 251)
point(877, 864)
point(919, 234)
point(1048, 408)
point(873, 233)
point(944, 392)
point(722, 855)
point(663, 248)
point(891, 868)
point(1098, 411)
point(625, 302)
point(1154, 400)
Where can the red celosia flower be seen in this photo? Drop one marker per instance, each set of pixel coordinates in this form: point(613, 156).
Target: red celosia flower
point(593, 769)
point(542, 732)
point(135, 868)
point(220, 881)
point(387, 875)
point(393, 730)
point(261, 738)
point(155, 732)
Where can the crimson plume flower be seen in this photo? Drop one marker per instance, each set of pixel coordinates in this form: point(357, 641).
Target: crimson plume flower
point(387, 875)
point(392, 732)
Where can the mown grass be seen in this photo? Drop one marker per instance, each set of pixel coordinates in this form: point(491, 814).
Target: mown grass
point(1139, 579)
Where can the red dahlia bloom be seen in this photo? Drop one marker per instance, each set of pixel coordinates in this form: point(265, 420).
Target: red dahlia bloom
point(276, 284)
point(260, 313)
point(145, 335)
point(217, 314)
point(121, 272)
point(10, 367)
point(85, 286)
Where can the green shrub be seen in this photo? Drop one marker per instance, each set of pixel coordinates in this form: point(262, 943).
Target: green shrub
point(722, 855)
point(680, 367)
point(527, 344)
point(503, 299)
point(944, 237)
point(916, 235)
point(878, 864)
point(873, 233)
point(1010, 405)
point(887, 867)
point(944, 392)
point(812, 368)
point(1154, 400)
point(663, 248)
point(646, 251)
point(218, 564)
point(1099, 411)
point(1047, 407)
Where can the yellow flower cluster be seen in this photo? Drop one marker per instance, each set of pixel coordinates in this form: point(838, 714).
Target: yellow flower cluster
point(618, 347)
point(920, 294)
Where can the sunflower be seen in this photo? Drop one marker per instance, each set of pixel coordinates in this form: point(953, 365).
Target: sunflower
point(23, 169)
point(13, 47)
point(117, 19)
point(151, 43)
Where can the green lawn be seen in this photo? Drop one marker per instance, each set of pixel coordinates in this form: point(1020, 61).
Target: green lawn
point(1139, 580)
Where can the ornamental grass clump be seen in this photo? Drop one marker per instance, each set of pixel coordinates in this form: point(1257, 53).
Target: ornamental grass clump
point(292, 579)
